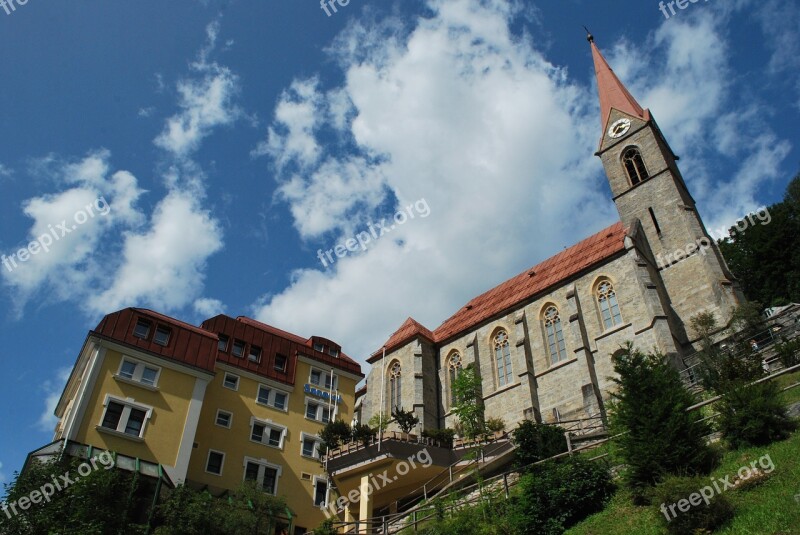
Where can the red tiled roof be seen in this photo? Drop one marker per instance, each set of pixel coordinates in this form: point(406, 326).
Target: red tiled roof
point(546, 274)
point(612, 92)
point(408, 330)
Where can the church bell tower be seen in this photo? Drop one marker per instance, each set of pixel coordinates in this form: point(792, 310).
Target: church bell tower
point(647, 186)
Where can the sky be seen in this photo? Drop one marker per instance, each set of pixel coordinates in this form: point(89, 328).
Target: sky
point(200, 157)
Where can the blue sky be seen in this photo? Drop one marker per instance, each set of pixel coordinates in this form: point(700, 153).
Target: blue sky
point(233, 140)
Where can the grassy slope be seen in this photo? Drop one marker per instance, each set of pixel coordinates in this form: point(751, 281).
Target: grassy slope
point(769, 508)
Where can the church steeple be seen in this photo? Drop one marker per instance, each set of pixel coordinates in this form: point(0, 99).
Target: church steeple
point(650, 193)
point(613, 93)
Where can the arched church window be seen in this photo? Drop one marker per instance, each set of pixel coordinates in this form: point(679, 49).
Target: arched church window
point(555, 335)
point(609, 308)
point(454, 366)
point(634, 165)
point(502, 357)
point(395, 393)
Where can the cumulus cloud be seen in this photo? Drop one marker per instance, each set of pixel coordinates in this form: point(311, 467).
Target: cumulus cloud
point(206, 102)
point(164, 266)
point(4, 171)
point(208, 308)
point(69, 226)
point(457, 111)
point(454, 108)
point(160, 260)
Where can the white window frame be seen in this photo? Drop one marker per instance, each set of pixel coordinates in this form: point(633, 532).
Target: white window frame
point(263, 464)
point(238, 381)
point(317, 453)
point(321, 405)
point(250, 358)
point(221, 465)
point(127, 405)
point(230, 419)
point(271, 397)
point(142, 321)
point(163, 328)
point(269, 426)
point(323, 374)
point(316, 480)
point(138, 372)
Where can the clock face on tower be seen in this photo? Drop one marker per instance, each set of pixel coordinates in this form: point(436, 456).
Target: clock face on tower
point(619, 128)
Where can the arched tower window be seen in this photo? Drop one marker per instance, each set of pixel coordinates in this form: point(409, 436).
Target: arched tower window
point(454, 366)
point(634, 165)
point(502, 358)
point(609, 308)
point(395, 393)
point(555, 335)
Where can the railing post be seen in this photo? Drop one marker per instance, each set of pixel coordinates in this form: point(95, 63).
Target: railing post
point(505, 483)
point(425, 491)
point(569, 442)
point(450, 469)
point(414, 518)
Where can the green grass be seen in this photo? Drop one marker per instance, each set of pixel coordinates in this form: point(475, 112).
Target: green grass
point(793, 395)
point(769, 508)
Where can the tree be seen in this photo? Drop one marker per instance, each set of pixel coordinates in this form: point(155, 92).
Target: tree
point(468, 407)
point(765, 256)
point(104, 501)
point(407, 420)
point(660, 437)
point(248, 509)
point(379, 422)
point(335, 433)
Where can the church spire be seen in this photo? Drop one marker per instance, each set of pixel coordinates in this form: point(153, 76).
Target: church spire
point(613, 93)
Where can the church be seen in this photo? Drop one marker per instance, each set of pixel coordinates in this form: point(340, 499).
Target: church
point(542, 342)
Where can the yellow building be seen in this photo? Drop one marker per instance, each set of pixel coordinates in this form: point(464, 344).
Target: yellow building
point(212, 406)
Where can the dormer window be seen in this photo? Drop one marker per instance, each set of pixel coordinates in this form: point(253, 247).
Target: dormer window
point(319, 347)
point(238, 349)
point(142, 329)
point(162, 335)
point(255, 354)
point(332, 351)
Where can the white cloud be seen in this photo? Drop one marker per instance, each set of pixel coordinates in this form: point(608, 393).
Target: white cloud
point(5, 171)
point(209, 308)
point(296, 119)
point(52, 390)
point(458, 112)
point(72, 224)
point(500, 142)
point(163, 267)
point(3, 477)
point(206, 102)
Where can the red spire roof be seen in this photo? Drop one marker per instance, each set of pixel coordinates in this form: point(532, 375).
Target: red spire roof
point(613, 93)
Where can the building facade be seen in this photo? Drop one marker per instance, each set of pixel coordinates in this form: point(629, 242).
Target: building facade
point(215, 405)
point(542, 341)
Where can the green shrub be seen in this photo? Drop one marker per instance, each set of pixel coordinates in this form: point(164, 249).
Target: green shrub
point(444, 436)
point(702, 518)
point(495, 425)
point(363, 433)
point(326, 528)
point(536, 442)
point(753, 416)
point(379, 422)
point(559, 494)
point(789, 352)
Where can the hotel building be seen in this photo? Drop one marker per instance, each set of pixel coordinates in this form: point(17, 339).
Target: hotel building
point(209, 406)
